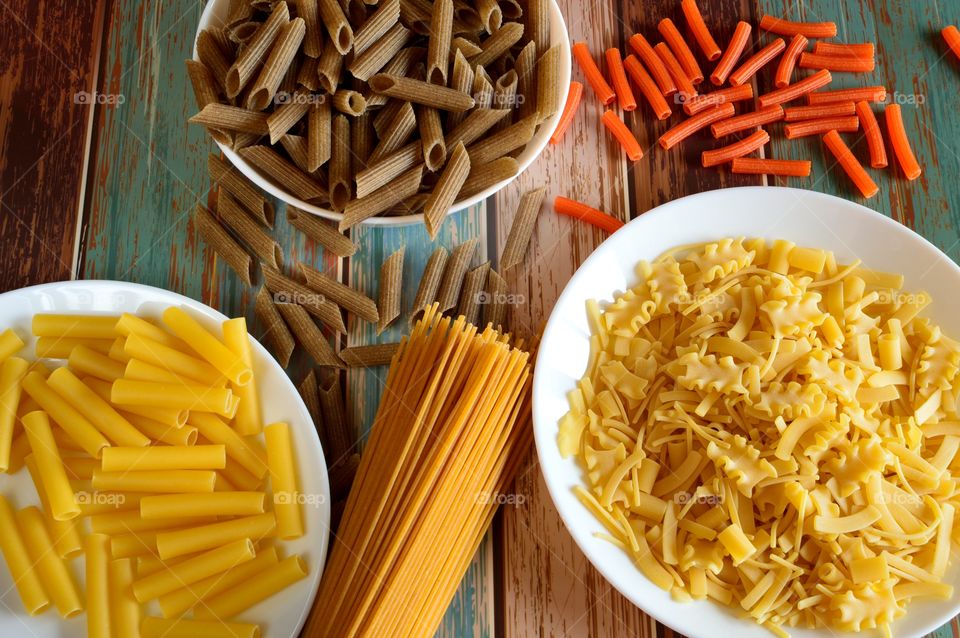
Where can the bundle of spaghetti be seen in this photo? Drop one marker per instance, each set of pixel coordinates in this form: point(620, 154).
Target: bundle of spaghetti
point(448, 437)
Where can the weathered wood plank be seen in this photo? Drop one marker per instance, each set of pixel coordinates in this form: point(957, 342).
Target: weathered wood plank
point(50, 53)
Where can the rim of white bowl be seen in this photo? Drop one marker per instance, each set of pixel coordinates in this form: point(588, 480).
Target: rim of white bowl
point(212, 16)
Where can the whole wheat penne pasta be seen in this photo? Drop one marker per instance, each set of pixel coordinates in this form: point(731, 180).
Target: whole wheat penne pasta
point(382, 199)
point(243, 140)
point(499, 43)
point(240, 11)
point(380, 52)
point(453, 274)
point(248, 231)
point(349, 102)
point(391, 286)
point(386, 114)
point(399, 65)
point(254, 54)
point(330, 67)
point(321, 232)
point(284, 173)
point(483, 177)
point(362, 136)
point(207, 345)
point(286, 116)
point(311, 398)
point(505, 96)
point(476, 124)
point(56, 485)
point(77, 427)
point(296, 148)
point(465, 17)
point(307, 75)
point(313, 37)
point(538, 24)
point(501, 143)
point(526, 68)
point(429, 282)
point(336, 425)
point(490, 15)
point(494, 309)
point(466, 46)
point(461, 79)
point(308, 334)
point(342, 476)
point(348, 298)
point(341, 33)
point(53, 574)
point(206, 91)
point(431, 136)
point(241, 34)
point(420, 92)
point(473, 291)
point(195, 539)
point(99, 412)
point(388, 169)
point(445, 192)
point(438, 47)
point(277, 65)
point(286, 290)
point(213, 57)
point(376, 25)
point(242, 190)
point(369, 356)
point(341, 163)
point(267, 583)
point(396, 133)
point(416, 15)
point(522, 228)
point(231, 118)
point(318, 136)
point(410, 206)
point(548, 84)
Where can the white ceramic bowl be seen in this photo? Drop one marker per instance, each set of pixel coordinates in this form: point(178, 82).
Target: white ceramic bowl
point(281, 615)
point(805, 217)
point(215, 13)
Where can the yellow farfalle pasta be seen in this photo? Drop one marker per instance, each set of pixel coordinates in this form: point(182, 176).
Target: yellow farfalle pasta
point(764, 427)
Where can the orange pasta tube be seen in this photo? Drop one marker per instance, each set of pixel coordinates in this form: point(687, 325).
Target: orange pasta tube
point(653, 63)
point(789, 61)
point(763, 166)
point(850, 165)
point(738, 149)
point(623, 135)
point(592, 216)
point(705, 100)
point(840, 63)
point(846, 124)
point(797, 89)
point(865, 50)
point(900, 143)
point(798, 113)
point(952, 37)
point(684, 86)
point(648, 87)
point(871, 130)
point(868, 93)
point(757, 61)
point(808, 29)
point(592, 73)
point(619, 79)
point(574, 95)
point(699, 29)
point(741, 34)
point(680, 50)
point(700, 121)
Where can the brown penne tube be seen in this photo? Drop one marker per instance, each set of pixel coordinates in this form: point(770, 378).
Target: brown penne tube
point(225, 246)
point(213, 57)
point(341, 164)
point(401, 64)
point(276, 333)
point(296, 148)
point(511, 9)
point(336, 426)
point(255, 52)
point(380, 52)
point(456, 268)
point(286, 290)
point(490, 15)
point(502, 142)
point(494, 308)
point(247, 230)
point(438, 47)
point(461, 79)
point(526, 68)
point(389, 168)
point(382, 199)
point(330, 67)
point(231, 118)
point(205, 91)
point(375, 26)
point(277, 64)
point(430, 282)
point(391, 287)
point(483, 177)
point(505, 97)
point(308, 334)
point(498, 44)
point(522, 228)
point(474, 284)
point(338, 27)
point(318, 136)
point(482, 88)
point(321, 232)
point(310, 394)
point(369, 356)
point(284, 173)
point(308, 75)
point(348, 298)
point(431, 136)
point(420, 92)
point(242, 190)
point(445, 192)
point(475, 125)
point(349, 102)
point(548, 84)
point(538, 24)
point(286, 117)
point(396, 133)
point(342, 475)
point(313, 38)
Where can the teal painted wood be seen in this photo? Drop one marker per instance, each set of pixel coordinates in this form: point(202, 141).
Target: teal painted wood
point(470, 613)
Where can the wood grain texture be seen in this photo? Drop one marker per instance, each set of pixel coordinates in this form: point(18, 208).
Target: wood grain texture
point(49, 54)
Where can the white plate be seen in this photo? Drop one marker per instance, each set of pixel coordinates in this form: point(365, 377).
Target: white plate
point(279, 616)
point(215, 14)
point(805, 217)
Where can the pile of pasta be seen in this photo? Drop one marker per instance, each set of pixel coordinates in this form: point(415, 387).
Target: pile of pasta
point(146, 455)
point(764, 427)
point(449, 435)
point(384, 108)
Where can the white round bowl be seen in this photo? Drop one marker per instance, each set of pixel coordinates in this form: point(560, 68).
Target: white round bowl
point(214, 15)
point(805, 217)
point(280, 615)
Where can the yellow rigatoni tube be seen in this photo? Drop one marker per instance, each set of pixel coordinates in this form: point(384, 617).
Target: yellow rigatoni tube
point(176, 361)
point(267, 583)
point(207, 345)
point(129, 324)
point(139, 370)
point(97, 411)
point(73, 423)
point(198, 539)
point(118, 350)
point(182, 628)
point(77, 326)
point(195, 569)
point(213, 504)
point(22, 569)
point(10, 344)
point(171, 482)
point(129, 521)
point(124, 608)
point(97, 584)
point(63, 505)
point(65, 534)
point(173, 417)
point(178, 602)
point(53, 572)
point(84, 361)
point(162, 432)
point(125, 392)
point(241, 450)
point(61, 347)
point(134, 544)
point(248, 421)
point(194, 457)
point(283, 481)
point(12, 372)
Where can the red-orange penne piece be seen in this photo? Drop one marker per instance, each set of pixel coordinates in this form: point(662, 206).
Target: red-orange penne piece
point(846, 124)
point(844, 156)
point(648, 87)
point(618, 78)
point(807, 29)
point(757, 61)
point(688, 127)
point(592, 73)
point(739, 148)
point(730, 57)
point(871, 130)
point(900, 142)
point(699, 29)
point(592, 216)
point(623, 135)
point(574, 95)
point(789, 61)
point(766, 166)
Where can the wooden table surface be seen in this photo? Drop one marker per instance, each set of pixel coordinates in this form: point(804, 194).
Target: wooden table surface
point(99, 171)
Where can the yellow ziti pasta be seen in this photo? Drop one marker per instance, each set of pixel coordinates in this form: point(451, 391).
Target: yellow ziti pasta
point(761, 426)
